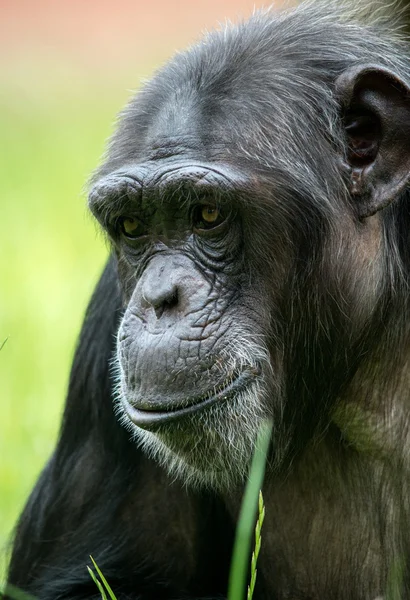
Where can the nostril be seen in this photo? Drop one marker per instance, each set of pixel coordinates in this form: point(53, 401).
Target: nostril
point(159, 291)
point(159, 311)
point(166, 302)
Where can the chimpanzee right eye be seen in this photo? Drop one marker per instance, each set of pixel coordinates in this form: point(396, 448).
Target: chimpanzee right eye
point(130, 227)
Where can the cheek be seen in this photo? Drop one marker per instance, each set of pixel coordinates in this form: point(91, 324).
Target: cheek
point(130, 331)
point(127, 279)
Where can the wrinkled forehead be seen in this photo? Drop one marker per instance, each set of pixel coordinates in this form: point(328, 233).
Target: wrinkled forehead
point(235, 128)
point(191, 125)
point(251, 112)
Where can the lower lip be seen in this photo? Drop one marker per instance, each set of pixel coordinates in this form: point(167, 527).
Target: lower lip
point(147, 418)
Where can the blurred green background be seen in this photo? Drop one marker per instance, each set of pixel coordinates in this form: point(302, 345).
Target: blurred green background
point(50, 257)
point(66, 69)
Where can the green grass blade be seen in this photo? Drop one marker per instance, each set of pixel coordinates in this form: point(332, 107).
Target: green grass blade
point(395, 580)
point(246, 523)
point(103, 579)
point(15, 593)
point(98, 584)
point(258, 542)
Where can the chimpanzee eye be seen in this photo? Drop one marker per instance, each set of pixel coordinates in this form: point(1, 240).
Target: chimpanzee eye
point(131, 227)
point(207, 216)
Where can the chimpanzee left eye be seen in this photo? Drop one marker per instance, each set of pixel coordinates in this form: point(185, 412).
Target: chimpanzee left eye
point(207, 216)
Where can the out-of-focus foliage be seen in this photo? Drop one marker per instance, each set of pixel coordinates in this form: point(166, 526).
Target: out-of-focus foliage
point(52, 133)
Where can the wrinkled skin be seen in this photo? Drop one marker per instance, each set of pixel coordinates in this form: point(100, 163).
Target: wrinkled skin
point(191, 334)
point(255, 197)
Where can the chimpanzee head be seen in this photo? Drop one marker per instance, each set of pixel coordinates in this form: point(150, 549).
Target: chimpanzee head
point(251, 194)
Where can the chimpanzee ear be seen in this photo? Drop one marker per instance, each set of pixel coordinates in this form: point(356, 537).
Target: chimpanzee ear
point(375, 105)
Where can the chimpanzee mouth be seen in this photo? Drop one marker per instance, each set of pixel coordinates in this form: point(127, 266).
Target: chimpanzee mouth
point(236, 382)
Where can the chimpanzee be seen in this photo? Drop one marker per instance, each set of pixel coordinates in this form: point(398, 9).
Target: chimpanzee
point(255, 198)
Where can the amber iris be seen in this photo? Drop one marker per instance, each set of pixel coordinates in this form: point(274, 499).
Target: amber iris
point(131, 227)
point(210, 214)
point(207, 216)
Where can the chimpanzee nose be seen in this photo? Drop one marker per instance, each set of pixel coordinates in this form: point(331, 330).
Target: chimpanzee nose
point(160, 291)
point(166, 284)
point(170, 290)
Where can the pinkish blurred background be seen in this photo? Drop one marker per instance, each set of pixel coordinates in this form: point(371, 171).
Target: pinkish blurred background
point(106, 34)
